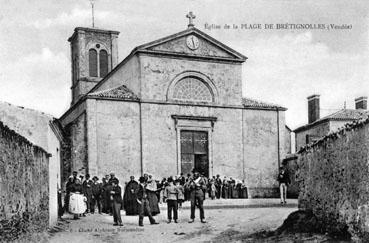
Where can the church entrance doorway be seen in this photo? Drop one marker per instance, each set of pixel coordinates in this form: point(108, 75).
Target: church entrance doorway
point(194, 152)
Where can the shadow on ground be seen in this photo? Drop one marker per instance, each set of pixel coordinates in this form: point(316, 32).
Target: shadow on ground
point(300, 226)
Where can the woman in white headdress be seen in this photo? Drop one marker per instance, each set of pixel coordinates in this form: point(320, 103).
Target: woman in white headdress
point(77, 201)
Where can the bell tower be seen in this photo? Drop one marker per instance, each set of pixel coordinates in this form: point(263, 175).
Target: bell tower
point(94, 53)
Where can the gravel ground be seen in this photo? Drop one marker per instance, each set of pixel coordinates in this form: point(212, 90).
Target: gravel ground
point(223, 225)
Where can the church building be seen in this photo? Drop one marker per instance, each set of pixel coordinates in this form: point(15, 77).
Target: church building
point(170, 106)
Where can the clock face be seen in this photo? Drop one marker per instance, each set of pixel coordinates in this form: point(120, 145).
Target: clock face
point(192, 42)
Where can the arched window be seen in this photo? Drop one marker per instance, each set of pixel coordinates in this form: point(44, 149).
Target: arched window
point(103, 63)
point(92, 58)
point(192, 89)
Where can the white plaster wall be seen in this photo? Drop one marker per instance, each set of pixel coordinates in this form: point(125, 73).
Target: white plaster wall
point(54, 175)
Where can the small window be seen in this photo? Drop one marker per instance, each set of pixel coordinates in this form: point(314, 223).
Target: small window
point(92, 57)
point(103, 63)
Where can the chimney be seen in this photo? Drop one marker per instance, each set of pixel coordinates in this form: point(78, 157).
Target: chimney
point(313, 108)
point(361, 103)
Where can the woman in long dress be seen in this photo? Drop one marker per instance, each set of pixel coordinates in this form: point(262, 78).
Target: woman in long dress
point(77, 201)
point(130, 203)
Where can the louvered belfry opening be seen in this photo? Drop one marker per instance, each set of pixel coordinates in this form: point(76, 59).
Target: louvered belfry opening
point(92, 61)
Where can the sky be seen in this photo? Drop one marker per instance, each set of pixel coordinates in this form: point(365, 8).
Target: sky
point(284, 66)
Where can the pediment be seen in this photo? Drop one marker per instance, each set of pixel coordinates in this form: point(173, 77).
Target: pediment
point(180, 43)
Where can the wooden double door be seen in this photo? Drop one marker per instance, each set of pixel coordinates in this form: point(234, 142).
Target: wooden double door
point(194, 152)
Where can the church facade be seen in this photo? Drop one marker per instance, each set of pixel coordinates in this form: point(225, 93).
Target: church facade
point(171, 105)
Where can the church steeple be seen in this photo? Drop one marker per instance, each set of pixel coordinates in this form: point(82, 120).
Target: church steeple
point(94, 53)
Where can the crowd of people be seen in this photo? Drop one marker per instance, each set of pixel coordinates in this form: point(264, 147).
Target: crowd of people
point(215, 187)
point(85, 195)
point(142, 197)
point(96, 194)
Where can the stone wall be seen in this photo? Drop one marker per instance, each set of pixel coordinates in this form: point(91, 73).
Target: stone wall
point(290, 163)
point(36, 127)
point(77, 132)
point(334, 180)
point(24, 177)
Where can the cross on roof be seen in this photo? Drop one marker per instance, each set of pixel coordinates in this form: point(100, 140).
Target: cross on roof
point(190, 17)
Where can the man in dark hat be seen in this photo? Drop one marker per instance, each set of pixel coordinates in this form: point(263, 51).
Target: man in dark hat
point(96, 194)
point(196, 187)
point(116, 194)
point(144, 203)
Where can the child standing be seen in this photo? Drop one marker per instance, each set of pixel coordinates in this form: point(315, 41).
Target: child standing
point(170, 196)
point(180, 198)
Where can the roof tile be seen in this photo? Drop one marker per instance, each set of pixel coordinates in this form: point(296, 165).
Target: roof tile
point(347, 114)
point(121, 92)
point(247, 102)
